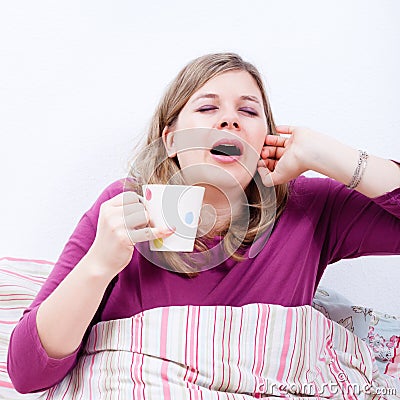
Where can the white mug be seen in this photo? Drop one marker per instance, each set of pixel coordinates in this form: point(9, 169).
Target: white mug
point(176, 206)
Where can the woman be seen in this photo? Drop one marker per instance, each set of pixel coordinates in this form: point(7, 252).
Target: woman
point(317, 221)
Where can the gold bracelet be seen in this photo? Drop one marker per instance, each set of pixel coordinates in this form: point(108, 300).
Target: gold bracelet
point(359, 171)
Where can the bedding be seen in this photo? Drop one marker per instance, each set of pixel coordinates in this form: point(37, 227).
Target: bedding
point(20, 280)
point(379, 330)
point(226, 348)
point(223, 352)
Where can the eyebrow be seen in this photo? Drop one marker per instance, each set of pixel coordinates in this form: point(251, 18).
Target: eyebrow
point(215, 96)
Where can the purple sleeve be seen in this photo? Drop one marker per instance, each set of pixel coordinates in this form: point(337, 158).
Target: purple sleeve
point(350, 224)
point(29, 366)
point(362, 226)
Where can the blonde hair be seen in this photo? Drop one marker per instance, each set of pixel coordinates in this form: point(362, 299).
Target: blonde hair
point(152, 164)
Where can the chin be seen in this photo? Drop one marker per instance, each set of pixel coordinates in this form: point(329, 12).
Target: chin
point(216, 175)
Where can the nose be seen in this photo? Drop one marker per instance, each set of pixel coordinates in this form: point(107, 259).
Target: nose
point(227, 123)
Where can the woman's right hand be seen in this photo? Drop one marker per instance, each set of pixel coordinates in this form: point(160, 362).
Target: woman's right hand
point(123, 222)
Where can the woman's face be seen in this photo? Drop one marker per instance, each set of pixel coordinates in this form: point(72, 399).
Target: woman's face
point(220, 132)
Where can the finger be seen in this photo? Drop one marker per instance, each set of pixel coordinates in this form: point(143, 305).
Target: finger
point(272, 152)
point(138, 218)
point(265, 152)
point(146, 234)
point(261, 163)
point(265, 163)
point(275, 140)
point(269, 152)
point(269, 164)
point(269, 178)
point(134, 208)
point(285, 129)
point(124, 198)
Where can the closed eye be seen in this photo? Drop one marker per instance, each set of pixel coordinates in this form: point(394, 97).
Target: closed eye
point(206, 108)
point(249, 111)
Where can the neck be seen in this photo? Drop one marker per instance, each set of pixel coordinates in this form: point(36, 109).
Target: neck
point(218, 209)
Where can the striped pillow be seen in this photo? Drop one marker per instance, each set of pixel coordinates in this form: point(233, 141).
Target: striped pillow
point(20, 280)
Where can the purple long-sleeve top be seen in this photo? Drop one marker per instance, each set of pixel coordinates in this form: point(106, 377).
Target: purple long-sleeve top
point(322, 223)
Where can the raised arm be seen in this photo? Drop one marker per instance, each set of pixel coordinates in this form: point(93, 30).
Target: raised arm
point(348, 223)
point(285, 158)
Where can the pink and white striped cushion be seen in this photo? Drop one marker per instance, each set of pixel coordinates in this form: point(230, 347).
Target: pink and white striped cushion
point(221, 352)
point(20, 280)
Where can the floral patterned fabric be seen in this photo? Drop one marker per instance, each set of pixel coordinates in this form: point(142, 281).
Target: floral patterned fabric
point(379, 330)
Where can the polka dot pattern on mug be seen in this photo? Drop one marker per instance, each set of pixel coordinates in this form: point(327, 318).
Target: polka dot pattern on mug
point(158, 243)
point(189, 217)
point(148, 194)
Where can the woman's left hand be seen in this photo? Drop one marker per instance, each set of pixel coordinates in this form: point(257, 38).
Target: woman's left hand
point(285, 158)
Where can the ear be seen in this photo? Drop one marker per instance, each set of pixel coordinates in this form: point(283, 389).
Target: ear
point(168, 139)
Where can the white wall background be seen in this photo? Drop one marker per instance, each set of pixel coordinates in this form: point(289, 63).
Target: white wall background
point(79, 81)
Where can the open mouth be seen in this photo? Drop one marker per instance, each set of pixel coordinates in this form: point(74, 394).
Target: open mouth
point(227, 148)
